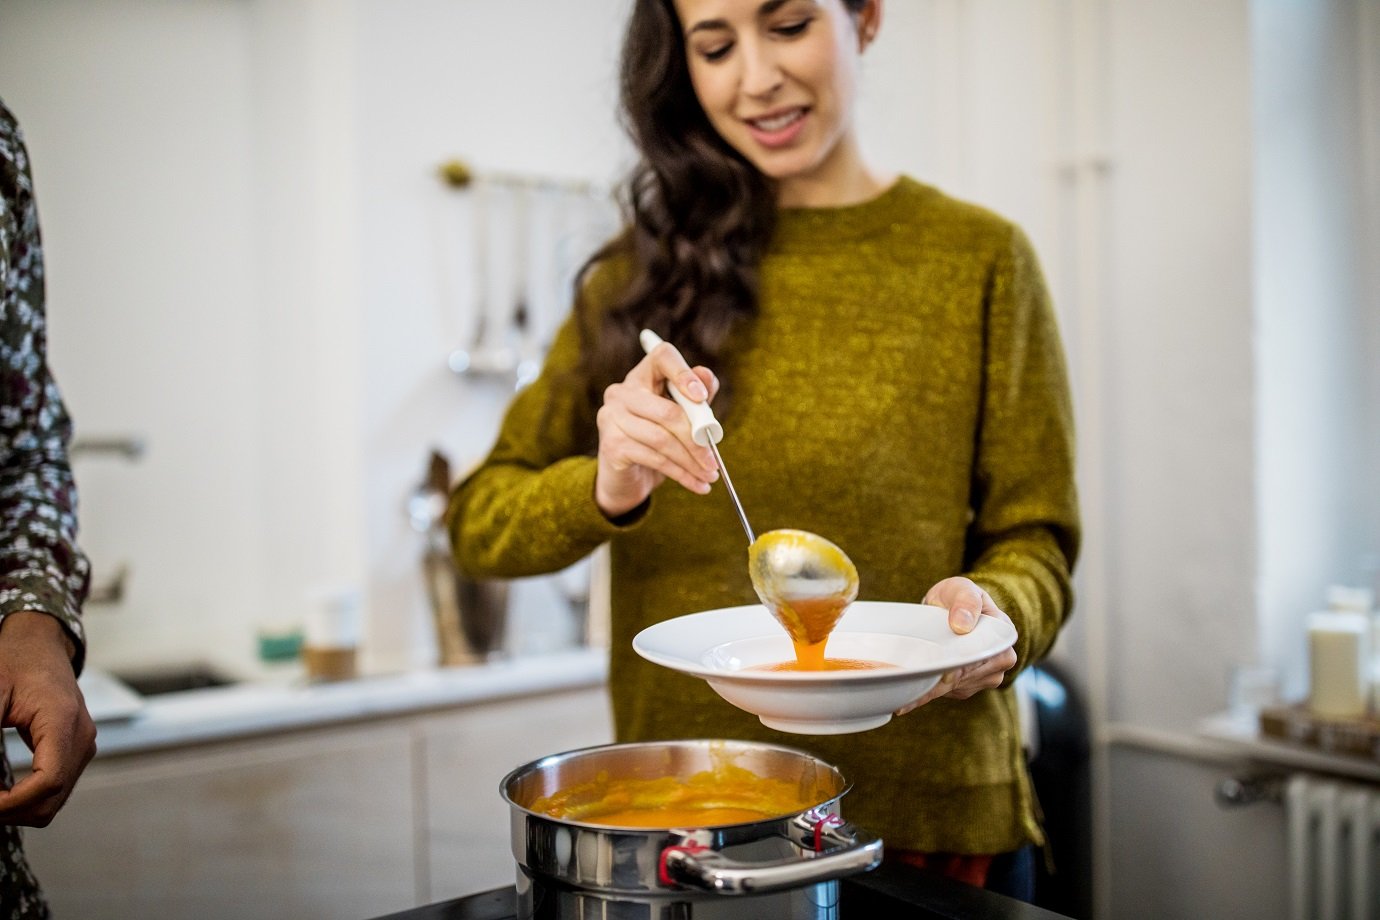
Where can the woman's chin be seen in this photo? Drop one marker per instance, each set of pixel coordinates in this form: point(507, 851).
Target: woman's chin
point(784, 167)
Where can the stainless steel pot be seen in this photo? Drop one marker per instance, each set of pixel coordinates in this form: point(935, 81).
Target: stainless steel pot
point(785, 867)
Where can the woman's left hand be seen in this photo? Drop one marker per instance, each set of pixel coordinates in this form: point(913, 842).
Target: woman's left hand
point(965, 601)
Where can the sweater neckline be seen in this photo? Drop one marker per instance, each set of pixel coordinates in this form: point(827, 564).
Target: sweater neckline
point(807, 227)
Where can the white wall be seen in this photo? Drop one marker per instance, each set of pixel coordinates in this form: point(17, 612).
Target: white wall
point(1318, 511)
point(437, 79)
point(1180, 435)
point(139, 119)
point(245, 235)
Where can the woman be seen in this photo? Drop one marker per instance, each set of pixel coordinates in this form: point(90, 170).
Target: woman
point(892, 379)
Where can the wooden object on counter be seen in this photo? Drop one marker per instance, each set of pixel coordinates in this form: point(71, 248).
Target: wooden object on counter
point(331, 633)
point(1350, 737)
point(330, 663)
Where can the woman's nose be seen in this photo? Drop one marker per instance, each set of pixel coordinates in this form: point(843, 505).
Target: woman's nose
point(762, 73)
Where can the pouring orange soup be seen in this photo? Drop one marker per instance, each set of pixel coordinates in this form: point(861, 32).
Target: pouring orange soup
point(809, 623)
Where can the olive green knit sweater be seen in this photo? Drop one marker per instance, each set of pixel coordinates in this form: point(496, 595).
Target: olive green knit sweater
point(902, 392)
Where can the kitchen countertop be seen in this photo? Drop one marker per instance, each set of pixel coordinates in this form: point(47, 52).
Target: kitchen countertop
point(891, 892)
point(261, 707)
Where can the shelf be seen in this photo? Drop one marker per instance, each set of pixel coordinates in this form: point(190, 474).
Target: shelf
point(1241, 733)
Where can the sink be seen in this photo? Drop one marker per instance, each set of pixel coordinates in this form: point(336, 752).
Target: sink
point(108, 699)
point(174, 678)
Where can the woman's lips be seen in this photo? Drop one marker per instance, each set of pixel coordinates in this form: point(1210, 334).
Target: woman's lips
point(779, 128)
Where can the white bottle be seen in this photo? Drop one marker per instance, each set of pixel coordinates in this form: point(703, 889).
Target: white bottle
point(1340, 660)
point(1362, 601)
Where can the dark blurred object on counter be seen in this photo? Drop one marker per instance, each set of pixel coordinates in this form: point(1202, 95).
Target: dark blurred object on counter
point(470, 615)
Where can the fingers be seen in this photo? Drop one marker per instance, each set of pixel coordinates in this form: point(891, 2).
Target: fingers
point(665, 368)
point(636, 444)
point(61, 751)
point(966, 682)
point(34, 801)
point(708, 379)
point(964, 601)
point(43, 703)
point(942, 688)
point(639, 425)
point(666, 364)
point(964, 607)
point(644, 436)
point(985, 675)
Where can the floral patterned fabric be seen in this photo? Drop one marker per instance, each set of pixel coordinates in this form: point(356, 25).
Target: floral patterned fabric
point(41, 567)
point(20, 897)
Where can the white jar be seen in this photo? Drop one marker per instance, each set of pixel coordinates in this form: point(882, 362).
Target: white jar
point(1339, 667)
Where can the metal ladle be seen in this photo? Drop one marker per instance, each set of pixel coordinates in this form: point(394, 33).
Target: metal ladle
point(806, 581)
point(803, 579)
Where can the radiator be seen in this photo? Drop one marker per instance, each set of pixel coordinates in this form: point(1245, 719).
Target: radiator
point(1334, 849)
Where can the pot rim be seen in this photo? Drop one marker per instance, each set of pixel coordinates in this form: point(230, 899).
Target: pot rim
point(845, 785)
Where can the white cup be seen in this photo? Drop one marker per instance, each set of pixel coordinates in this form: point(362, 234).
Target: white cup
point(1252, 688)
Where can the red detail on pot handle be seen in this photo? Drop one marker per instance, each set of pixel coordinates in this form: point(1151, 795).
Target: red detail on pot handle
point(820, 825)
point(690, 847)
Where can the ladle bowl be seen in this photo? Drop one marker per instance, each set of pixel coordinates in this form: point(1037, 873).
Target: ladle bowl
point(804, 579)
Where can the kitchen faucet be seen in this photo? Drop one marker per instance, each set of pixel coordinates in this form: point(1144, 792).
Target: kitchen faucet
point(127, 447)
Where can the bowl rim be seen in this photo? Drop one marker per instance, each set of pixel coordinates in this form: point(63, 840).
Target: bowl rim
point(991, 636)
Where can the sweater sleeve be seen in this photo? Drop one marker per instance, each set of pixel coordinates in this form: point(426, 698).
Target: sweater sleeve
point(529, 508)
point(1025, 532)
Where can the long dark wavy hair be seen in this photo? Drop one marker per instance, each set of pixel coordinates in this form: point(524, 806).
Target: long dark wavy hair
point(699, 218)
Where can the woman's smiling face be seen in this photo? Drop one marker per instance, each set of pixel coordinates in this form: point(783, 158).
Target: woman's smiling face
point(777, 80)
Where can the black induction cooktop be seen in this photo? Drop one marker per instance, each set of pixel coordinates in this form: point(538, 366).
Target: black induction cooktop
point(891, 892)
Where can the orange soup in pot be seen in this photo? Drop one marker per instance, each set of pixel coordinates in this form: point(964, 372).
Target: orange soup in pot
point(727, 794)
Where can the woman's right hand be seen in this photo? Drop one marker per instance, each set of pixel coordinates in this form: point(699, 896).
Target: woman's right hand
point(644, 435)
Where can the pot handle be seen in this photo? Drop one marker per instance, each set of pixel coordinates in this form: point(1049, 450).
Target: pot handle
point(850, 851)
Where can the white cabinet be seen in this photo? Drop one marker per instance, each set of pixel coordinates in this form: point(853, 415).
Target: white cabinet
point(313, 825)
point(354, 821)
point(1173, 852)
point(466, 755)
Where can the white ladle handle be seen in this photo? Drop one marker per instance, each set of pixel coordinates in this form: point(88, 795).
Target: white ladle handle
point(704, 427)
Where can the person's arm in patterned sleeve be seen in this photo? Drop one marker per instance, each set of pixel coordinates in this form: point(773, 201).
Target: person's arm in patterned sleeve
point(43, 574)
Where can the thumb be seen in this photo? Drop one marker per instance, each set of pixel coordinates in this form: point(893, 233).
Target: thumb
point(962, 620)
point(963, 611)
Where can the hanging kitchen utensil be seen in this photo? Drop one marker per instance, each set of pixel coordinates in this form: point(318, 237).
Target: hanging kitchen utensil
point(546, 305)
point(492, 351)
point(521, 333)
